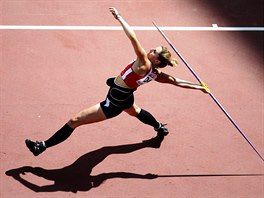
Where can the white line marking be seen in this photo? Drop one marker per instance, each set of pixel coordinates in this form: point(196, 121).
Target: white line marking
point(215, 25)
point(143, 28)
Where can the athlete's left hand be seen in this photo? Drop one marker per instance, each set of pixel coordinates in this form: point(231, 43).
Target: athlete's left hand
point(114, 12)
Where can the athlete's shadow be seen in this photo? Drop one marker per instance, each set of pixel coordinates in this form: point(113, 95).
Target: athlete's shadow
point(76, 177)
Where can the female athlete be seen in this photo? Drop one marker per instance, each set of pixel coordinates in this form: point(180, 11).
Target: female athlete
point(145, 68)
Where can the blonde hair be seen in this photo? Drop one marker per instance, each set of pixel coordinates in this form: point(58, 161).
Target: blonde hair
point(166, 59)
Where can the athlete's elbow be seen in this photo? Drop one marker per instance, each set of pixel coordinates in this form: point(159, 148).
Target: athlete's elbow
point(173, 81)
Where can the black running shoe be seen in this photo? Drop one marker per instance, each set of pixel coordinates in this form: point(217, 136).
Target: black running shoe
point(162, 130)
point(35, 147)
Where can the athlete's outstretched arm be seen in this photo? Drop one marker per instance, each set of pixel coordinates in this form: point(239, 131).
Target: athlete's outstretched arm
point(140, 52)
point(166, 78)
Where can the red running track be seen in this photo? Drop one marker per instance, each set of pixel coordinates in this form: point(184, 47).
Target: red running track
point(47, 76)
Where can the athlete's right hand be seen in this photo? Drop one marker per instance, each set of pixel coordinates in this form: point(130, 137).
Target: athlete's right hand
point(205, 88)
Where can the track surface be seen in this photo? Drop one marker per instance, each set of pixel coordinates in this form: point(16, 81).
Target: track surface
point(49, 75)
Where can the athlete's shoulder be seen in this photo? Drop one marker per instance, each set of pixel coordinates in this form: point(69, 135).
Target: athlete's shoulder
point(143, 67)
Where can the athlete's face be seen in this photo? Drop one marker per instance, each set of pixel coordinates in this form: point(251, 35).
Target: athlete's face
point(154, 54)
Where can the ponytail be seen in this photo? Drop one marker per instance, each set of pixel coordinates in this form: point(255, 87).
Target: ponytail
point(173, 62)
point(166, 59)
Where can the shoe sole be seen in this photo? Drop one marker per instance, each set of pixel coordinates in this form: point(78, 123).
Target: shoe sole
point(31, 146)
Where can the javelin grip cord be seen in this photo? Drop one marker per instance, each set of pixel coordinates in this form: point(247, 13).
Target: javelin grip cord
point(212, 96)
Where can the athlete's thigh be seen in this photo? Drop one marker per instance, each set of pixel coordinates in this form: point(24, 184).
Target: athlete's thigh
point(90, 115)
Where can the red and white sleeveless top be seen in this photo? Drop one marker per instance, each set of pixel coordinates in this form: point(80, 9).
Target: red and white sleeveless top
point(133, 80)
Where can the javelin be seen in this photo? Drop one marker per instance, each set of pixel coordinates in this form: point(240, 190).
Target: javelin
point(212, 96)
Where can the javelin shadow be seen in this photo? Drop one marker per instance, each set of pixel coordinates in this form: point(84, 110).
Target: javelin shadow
point(215, 175)
point(76, 177)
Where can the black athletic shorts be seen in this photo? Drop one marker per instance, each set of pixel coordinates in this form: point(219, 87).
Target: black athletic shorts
point(117, 100)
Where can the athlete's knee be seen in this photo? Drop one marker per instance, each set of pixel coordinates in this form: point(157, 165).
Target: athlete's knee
point(133, 111)
point(74, 122)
